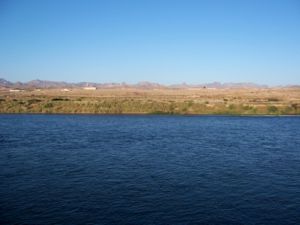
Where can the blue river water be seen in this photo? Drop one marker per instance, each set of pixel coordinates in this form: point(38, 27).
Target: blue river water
point(86, 169)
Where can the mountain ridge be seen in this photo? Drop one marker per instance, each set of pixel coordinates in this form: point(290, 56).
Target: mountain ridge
point(37, 83)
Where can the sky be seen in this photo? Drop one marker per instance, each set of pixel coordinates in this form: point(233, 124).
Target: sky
point(161, 41)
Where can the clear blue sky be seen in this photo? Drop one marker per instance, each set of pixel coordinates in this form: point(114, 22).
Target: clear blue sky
point(160, 41)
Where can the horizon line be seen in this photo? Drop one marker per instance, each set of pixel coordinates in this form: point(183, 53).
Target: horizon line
point(152, 82)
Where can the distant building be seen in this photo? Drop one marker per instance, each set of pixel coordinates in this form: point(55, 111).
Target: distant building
point(90, 88)
point(15, 90)
point(65, 90)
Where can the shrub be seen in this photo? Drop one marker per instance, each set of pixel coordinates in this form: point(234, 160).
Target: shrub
point(60, 99)
point(247, 107)
point(272, 109)
point(231, 106)
point(48, 105)
point(32, 101)
point(273, 99)
point(295, 106)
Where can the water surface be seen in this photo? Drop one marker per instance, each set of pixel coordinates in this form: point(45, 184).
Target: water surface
point(72, 169)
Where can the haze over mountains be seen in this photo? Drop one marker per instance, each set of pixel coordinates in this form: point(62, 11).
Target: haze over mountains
point(145, 84)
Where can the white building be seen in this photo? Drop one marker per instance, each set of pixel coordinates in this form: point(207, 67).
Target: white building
point(90, 88)
point(15, 90)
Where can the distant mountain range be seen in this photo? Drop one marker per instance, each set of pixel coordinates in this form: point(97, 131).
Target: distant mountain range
point(144, 85)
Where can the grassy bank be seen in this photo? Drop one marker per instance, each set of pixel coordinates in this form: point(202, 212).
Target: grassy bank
point(113, 105)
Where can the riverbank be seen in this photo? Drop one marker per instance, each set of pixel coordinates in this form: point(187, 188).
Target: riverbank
point(135, 101)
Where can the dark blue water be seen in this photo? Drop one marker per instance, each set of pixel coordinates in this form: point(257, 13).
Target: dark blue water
point(57, 169)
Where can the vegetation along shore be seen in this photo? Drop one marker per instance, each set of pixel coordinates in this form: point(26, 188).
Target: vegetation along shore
point(152, 100)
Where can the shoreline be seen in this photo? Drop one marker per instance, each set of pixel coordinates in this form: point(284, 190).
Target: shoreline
point(152, 114)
